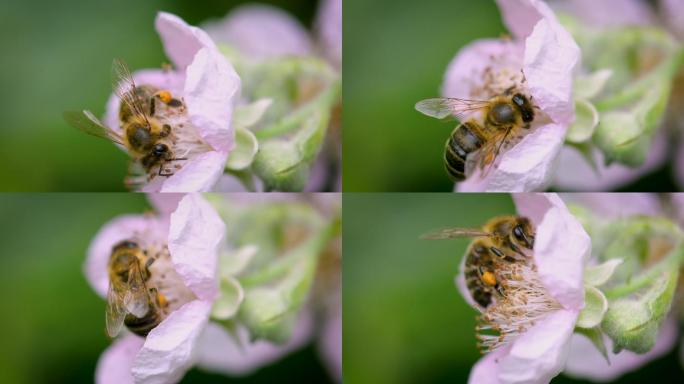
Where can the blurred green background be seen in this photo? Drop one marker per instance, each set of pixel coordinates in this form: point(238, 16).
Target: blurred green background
point(52, 321)
point(404, 320)
point(57, 56)
point(396, 53)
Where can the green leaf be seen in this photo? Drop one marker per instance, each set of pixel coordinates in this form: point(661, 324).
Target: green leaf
point(246, 148)
point(231, 295)
point(586, 120)
point(595, 307)
point(588, 86)
point(599, 274)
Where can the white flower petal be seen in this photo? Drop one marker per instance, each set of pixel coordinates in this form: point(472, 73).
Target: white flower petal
point(165, 203)
point(211, 89)
point(586, 362)
point(466, 69)
point(170, 348)
point(330, 343)
point(617, 205)
point(603, 13)
point(535, 205)
point(574, 173)
point(120, 228)
point(198, 174)
point(520, 16)
point(261, 31)
point(195, 235)
point(673, 12)
point(181, 41)
point(561, 250)
point(539, 354)
point(329, 29)
point(486, 370)
point(115, 363)
point(219, 352)
point(551, 55)
point(528, 166)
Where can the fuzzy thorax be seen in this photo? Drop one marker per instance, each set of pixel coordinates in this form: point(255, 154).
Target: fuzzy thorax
point(525, 301)
point(184, 139)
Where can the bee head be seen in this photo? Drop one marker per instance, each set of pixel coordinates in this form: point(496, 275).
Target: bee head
point(525, 107)
point(522, 233)
point(160, 150)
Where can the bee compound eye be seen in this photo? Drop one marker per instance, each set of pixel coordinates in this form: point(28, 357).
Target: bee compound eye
point(518, 232)
point(160, 149)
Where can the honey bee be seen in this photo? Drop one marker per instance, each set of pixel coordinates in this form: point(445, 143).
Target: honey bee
point(504, 118)
point(129, 299)
point(147, 138)
point(503, 239)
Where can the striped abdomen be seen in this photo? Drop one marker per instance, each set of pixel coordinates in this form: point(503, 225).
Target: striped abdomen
point(478, 257)
point(466, 138)
point(142, 326)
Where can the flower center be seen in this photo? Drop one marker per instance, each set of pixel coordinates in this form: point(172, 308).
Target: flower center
point(181, 138)
point(173, 293)
point(523, 302)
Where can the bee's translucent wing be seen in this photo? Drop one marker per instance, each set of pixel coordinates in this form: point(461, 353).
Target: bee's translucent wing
point(440, 108)
point(137, 297)
point(451, 233)
point(124, 86)
point(491, 150)
point(86, 122)
point(116, 311)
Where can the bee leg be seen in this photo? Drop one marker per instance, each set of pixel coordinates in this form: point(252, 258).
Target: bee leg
point(161, 171)
point(152, 106)
point(166, 130)
point(500, 289)
point(497, 252)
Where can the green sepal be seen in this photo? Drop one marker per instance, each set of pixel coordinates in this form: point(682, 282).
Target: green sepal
point(595, 307)
point(599, 274)
point(586, 121)
point(595, 335)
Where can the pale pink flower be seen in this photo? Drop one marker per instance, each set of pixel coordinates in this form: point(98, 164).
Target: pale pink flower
point(539, 61)
point(263, 31)
point(209, 86)
point(188, 241)
point(585, 361)
point(611, 13)
point(537, 332)
point(616, 205)
point(238, 355)
point(574, 171)
point(328, 26)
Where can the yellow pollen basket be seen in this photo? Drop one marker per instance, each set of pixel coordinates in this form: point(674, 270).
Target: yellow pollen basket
point(164, 96)
point(489, 278)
